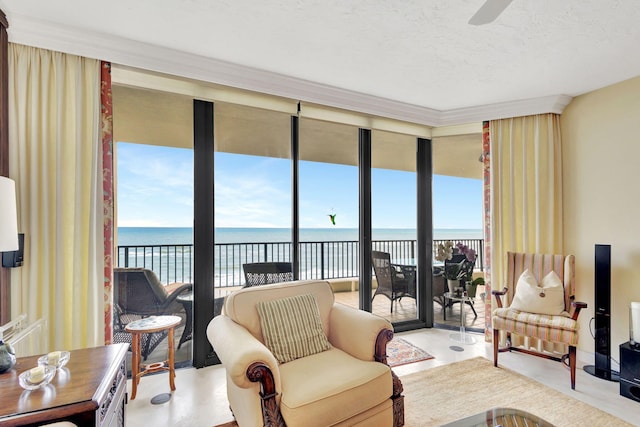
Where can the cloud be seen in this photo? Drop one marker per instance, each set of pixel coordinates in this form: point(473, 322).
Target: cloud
point(251, 200)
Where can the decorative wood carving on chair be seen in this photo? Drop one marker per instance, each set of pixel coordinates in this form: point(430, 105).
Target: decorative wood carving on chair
point(398, 399)
point(259, 372)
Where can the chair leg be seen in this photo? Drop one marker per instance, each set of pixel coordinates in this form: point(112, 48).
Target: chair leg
point(472, 308)
point(572, 366)
point(496, 338)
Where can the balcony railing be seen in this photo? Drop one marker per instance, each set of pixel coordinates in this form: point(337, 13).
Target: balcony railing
point(318, 260)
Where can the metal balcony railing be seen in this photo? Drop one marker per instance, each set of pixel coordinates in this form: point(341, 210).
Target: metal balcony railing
point(318, 260)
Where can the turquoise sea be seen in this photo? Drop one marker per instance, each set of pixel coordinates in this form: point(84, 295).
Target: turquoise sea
point(134, 236)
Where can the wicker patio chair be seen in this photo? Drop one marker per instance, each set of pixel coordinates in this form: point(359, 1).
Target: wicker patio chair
point(394, 281)
point(138, 293)
point(263, 273)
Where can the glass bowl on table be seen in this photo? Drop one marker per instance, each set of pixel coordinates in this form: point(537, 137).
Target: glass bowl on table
point(55, 359)
point(37, 377)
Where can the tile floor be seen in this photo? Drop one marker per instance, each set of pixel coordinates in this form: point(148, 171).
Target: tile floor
point(200, 397)
point(405, 309)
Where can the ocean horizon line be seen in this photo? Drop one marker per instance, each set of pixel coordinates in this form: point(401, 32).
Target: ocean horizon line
point(288, 228)
point(138, 236)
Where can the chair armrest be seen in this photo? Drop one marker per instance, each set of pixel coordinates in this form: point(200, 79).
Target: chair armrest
point(576, 306)
point(499, 294)
point(238, 350)
point(176, 293)
point(355, 331)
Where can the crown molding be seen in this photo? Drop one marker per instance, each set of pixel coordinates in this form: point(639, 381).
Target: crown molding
point(28, 31)
point(503, 110)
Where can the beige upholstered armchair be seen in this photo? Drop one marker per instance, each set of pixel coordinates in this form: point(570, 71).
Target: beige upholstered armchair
point(537, 310)
point(280, 370)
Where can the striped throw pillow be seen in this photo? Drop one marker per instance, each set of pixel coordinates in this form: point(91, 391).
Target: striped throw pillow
point(292, 328)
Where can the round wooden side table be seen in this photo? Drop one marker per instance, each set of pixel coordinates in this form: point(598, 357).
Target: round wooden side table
point(146, 326)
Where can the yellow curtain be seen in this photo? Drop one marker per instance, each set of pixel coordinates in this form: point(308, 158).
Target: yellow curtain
point(55, 158)
point(526, 192)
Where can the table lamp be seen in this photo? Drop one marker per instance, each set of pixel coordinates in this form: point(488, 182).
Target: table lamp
point(8, 215)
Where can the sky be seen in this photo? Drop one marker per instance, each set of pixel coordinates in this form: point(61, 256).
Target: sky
point(155, 189)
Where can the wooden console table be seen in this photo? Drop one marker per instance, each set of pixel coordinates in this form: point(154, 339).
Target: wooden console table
point(89, 391)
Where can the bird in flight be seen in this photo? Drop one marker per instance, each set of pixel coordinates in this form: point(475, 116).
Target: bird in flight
point(332, 217)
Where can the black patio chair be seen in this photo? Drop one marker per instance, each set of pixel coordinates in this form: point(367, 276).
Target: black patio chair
point(395, 281)
point(137, 293)
point(263, 273)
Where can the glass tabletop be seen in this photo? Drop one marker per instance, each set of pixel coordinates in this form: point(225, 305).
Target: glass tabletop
point(153, 322)
point(501, 417)
point(454, 297)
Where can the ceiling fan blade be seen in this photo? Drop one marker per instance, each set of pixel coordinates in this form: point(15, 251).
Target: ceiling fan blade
point(489, 11)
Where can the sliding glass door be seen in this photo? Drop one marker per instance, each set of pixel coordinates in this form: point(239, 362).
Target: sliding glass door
point(252, 191)
point(154, 166)
point(457, 220)
point(393, 216)
point(328, 206)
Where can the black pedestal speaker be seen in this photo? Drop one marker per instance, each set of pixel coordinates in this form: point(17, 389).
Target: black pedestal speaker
point(602, 284)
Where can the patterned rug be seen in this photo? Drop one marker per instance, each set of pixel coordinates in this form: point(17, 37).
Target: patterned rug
point(402, 352)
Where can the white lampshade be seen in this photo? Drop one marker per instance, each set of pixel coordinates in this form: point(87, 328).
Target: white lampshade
point(8, 215)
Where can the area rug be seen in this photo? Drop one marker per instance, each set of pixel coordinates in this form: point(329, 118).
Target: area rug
point(446, 393)
point(401, 352)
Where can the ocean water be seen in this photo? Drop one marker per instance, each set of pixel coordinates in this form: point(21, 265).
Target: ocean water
point(135, 236)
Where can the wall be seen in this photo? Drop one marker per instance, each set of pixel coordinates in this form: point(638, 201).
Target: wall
point(601, 158)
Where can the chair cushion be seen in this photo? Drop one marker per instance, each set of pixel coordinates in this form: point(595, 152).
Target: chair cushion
point(544, 298)
point(560, 329)
point(329, 387)
point(292, 328)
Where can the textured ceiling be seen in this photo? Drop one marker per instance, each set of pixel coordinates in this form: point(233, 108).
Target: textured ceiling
point(420, 52)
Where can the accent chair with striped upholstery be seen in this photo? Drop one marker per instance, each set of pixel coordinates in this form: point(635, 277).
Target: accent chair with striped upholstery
point(547, 331)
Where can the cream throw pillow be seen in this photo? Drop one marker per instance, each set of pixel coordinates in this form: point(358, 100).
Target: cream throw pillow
point(292, 328)
point(544, 298)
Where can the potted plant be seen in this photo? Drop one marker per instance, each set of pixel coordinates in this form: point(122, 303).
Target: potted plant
point(473, 286)
point(455, 272)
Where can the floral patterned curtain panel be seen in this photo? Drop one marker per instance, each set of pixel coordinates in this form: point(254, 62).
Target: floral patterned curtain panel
point(486, 201)
point(108, 194)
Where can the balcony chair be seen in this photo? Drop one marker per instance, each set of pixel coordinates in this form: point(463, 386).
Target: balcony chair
point(536, 309)
point(394, 281)
point(294, 357)
point(439, 286)
point(263, 273)
point(138, 293)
